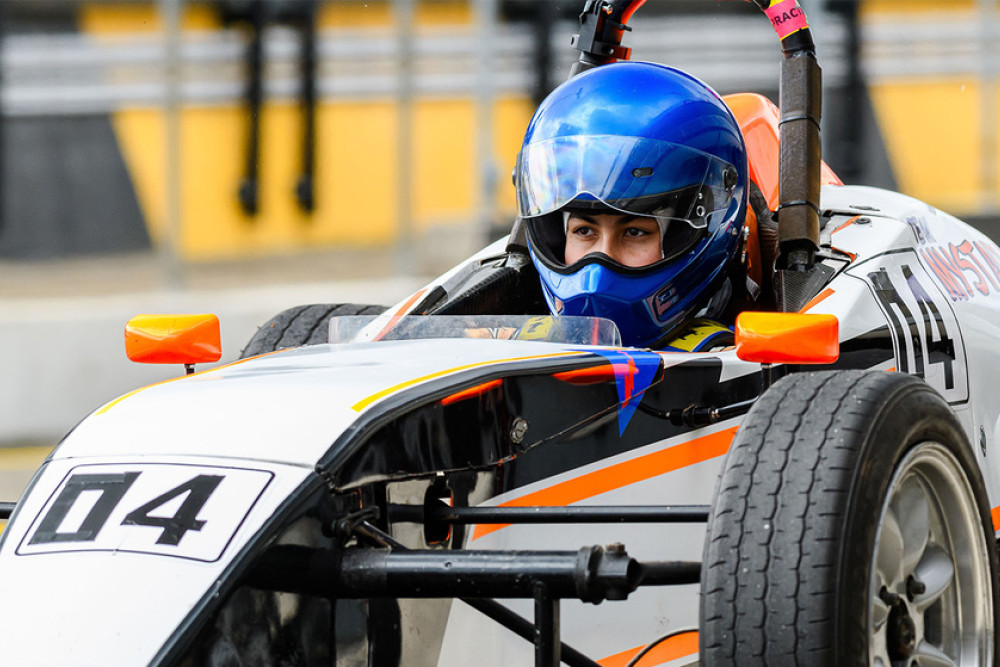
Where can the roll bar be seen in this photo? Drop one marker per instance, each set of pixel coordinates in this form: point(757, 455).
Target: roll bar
point(603, 23)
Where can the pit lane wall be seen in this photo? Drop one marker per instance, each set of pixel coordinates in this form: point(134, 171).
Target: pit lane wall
point(88, 141)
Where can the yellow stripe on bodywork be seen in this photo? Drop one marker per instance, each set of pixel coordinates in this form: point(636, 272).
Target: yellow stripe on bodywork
point(118, 400)
point(361, 405)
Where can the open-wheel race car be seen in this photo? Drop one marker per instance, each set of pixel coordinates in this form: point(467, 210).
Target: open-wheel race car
point(465, 479)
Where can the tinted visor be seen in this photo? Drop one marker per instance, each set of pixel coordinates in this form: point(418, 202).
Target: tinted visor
point(632, 175)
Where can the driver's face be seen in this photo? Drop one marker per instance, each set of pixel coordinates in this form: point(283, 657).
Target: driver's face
point(627, 239)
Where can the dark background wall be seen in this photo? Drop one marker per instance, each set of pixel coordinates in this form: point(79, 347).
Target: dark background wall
point(64, 188)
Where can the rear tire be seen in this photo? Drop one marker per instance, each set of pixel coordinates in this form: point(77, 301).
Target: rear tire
point(851, 527)
point(302, 325)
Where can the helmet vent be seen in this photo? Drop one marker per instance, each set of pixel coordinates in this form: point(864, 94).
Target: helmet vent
point(642, 172)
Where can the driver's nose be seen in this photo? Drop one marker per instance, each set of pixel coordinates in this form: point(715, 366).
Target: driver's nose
point(608, 246)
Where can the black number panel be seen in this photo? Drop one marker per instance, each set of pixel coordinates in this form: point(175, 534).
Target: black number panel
point(178, 510)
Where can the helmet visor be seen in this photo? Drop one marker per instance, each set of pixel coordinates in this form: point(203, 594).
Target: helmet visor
point(637, 176)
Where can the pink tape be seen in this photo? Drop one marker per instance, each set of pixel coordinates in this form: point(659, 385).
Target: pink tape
point(787, 17)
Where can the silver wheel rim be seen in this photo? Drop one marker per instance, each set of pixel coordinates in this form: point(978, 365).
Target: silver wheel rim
point(930, 596)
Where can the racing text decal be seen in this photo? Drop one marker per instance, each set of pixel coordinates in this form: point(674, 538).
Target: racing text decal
point(787, 18)
point(171, 510)
point(966, 270)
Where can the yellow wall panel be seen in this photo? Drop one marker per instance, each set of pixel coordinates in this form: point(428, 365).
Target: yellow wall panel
point(117, 17)
point(142, 141)
point(511, 118)
point(352, 179)
point(348, 13)
point(445, 169)
point(111, 17)
point(914, 6)
point(931, 133)
point(356, 188)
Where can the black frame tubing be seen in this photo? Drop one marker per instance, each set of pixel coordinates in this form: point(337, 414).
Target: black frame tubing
point(535, 515)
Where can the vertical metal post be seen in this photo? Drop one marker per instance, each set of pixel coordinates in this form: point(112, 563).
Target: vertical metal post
point(405, 259)
point(170, 11)
point(249, 191)
point(547, 644)
point(545, 19)
point(305, 187)
point(989, 33)
point(485, 201)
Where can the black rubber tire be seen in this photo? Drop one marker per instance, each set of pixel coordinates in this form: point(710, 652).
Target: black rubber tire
point(788, 555)
point(302, 325)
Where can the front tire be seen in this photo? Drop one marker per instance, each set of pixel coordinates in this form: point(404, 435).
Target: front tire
point(302, 325)
point(851, 527)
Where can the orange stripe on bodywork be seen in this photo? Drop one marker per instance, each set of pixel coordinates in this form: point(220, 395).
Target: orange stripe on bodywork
point(846, 224)
point(394, 320)
point(679, 646)
point(590, 375)
point(995, 515)
point(816, 299)
point(621, 474)
point(471, 392)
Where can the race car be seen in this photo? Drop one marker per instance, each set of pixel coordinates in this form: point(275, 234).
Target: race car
point(463, 478)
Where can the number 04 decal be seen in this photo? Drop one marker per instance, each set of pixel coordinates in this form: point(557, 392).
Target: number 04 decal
point(198, 489)
point(924, 329)
point(166, 509)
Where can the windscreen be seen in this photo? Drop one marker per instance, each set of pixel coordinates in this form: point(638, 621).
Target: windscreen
point(569, 330)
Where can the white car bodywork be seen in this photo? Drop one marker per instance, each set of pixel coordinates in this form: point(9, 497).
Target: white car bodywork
point(256, 431)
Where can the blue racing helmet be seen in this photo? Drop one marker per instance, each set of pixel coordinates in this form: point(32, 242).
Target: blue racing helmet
point(645, 140)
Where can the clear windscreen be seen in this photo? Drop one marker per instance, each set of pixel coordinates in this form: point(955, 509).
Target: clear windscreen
point(569, 330)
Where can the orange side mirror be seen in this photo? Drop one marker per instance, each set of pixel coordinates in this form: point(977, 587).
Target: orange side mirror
point(787, 338)
point(173, 339)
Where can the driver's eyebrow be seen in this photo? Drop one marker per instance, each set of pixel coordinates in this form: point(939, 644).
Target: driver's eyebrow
point(592, 220)
point(583, 216)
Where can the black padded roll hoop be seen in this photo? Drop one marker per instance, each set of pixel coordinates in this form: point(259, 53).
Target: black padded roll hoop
point(801, 102)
